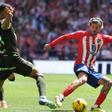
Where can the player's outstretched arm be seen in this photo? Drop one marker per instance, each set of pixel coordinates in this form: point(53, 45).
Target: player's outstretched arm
point(76, 35)
point(107, 38)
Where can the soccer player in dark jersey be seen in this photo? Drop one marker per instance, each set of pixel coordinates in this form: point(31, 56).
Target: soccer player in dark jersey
point(89, 44)
point(10, 60)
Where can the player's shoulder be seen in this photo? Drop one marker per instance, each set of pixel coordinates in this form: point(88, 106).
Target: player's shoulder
point(105, 36)
point(79, 32)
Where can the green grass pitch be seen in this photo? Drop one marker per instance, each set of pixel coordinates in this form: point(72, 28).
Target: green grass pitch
point(22, 95)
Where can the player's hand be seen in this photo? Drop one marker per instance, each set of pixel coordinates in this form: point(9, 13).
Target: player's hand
point(7, 15)
point(47, 47)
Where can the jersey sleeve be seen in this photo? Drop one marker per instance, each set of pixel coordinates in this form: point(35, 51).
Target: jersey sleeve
point(75, 35)
point(107, 38)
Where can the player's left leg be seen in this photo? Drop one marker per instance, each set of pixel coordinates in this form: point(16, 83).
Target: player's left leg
point(106, 82)
point(26, 68)
point(41, 88)
point(82, 79)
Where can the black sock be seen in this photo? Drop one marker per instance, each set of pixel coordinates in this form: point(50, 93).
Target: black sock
point(41, 86)
point(1, 94)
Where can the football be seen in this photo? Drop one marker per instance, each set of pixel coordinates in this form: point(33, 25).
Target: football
point(79, 105)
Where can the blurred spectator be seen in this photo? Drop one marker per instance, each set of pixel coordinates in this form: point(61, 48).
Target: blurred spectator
point(40, 21)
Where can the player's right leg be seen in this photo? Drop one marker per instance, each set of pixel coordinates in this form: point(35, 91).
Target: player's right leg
point(82, 79)
point(3, 103)
point(106, 82)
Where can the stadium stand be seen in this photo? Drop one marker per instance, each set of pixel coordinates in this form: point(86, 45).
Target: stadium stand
point(40, 21)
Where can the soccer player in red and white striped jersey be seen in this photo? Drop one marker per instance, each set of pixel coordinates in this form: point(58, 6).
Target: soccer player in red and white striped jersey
point(89, 44)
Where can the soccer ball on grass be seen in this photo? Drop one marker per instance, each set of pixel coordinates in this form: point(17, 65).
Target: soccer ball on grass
point(79, 105)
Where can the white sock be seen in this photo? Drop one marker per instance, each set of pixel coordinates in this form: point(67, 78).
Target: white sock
point(42, 97)
point(61, 97)
point(95, 106)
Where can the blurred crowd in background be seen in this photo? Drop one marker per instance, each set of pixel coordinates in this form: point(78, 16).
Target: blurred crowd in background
point(40, 21)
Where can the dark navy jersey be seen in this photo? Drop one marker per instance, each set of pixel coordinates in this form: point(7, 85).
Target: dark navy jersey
point(8, 41)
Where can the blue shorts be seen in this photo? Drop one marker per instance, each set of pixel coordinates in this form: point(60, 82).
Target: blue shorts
point(93, 76)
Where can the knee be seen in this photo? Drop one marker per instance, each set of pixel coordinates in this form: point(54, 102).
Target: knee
point(79, 82)
point(35, 72)
point(11, 77)
point(83, 80)
point(108, 84)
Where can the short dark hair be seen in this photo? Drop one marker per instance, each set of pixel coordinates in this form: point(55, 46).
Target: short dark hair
point(3, 5)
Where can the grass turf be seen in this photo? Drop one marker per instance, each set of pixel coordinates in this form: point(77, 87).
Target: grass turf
point(22, 95)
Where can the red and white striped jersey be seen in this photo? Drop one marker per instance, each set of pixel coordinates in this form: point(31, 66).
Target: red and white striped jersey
point(88, 45)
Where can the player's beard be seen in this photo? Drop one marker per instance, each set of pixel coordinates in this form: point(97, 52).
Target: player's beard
point(95, 32)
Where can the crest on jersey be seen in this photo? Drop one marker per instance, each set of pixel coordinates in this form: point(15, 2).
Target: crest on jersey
point(93, 49)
